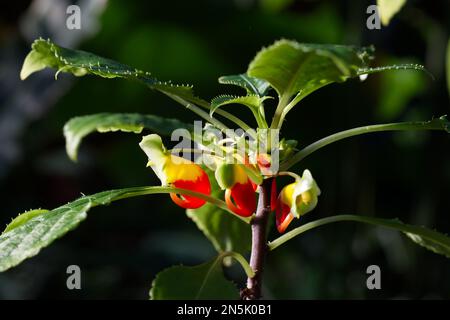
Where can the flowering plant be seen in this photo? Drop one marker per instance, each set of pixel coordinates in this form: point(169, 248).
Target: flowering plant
point(225, 177)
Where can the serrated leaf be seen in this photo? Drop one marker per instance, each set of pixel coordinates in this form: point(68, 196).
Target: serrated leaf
point(79, 127)
point(295, 70)
point(291, 67)
point(394, 67)
point(205, 281)
point(387, 9)
point(23, 218)
point(253, 102)
point(250, 84)
point(224, 231)
point(30, 235)
point(427, 238)
point(45, 53)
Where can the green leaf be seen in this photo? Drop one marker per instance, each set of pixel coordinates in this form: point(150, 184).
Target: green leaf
point(387, 9)
point(298, 69)
point(291, 67)
point(225, 232)
point(45, 53)
point(253, 102)
point(34, 231)
point(432, 240)
point(205, 281)
point(252, 85)
point(23, 218)
point(404, 66)
point(79, 127)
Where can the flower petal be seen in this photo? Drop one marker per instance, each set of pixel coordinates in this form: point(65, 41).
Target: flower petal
point(241, 199)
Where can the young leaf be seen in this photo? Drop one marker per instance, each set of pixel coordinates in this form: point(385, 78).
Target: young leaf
point(429, 239)
point(224, 231)
point(297, 69)
point(29, 234)
point(205, 281)
point(253, 102)
point(45, 53)
point(79, 127)
point(291, 67)
point(23, 218)
point(252, 85)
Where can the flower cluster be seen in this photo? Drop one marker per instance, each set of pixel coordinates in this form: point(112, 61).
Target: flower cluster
point(239, 180)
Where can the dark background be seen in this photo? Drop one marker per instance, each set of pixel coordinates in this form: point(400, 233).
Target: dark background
point(121, 247)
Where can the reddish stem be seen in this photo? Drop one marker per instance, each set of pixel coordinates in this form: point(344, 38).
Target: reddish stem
point(259, 242)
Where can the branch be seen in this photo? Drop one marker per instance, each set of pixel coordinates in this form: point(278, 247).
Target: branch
point(259, 245)
point(436, 124)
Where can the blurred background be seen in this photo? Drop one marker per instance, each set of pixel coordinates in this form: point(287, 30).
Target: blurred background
point(121, 247)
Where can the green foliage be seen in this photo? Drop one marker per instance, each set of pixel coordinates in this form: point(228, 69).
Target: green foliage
point(23, 218)
point(45, 53)
point(205, 281)
point(253, 102)
point(429, 239)
point(79, 127)
point(299, 69)
point(253, 86)
point(292, 69)
point(26, 236)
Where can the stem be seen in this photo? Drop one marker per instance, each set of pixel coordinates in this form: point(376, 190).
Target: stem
point(198, 111)
point(140, 191)
point(427, 236)
point(283, 101)
point(239, 258)
point(259, 244)
point(226, 115)
point(290, 174)
point(435, 124)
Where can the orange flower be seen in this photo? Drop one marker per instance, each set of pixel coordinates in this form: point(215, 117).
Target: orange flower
point(176, 172)
point(295, 200)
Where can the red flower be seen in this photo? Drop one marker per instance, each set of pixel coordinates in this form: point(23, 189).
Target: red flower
point(176, 172)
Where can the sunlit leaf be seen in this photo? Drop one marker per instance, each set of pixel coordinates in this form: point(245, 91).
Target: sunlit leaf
point(253, 102)
point(295, 70)
point(291, 67)
point(79, 127)
point(23, 218)
point(34, 231)
point(252, 85)
point(45, 53)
